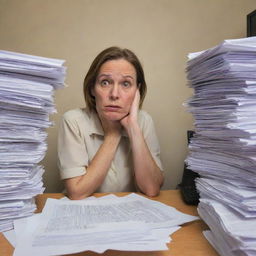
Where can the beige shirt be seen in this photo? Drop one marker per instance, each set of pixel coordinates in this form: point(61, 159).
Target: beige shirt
point(80, 136)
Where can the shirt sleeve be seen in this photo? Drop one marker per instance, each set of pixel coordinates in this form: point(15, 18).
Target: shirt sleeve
point(150, 137)
point(72, 153)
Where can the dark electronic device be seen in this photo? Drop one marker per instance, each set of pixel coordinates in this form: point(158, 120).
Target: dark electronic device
point(251, 24)
point(187, 186)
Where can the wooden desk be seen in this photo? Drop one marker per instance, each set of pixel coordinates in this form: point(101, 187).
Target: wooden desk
point(188, 241)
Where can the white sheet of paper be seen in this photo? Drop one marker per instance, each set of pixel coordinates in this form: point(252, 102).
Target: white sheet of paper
point(126, 223)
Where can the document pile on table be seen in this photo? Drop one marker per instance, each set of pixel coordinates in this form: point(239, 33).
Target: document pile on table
point(26, 100)
point(223, 150)
point(130, 223)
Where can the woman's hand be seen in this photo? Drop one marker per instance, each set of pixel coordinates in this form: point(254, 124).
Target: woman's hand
point(83, 186)
point(148, 176)
point(131, 118)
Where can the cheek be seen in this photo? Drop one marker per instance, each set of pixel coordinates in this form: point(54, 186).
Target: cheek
point(99, 98)
point(129, 100)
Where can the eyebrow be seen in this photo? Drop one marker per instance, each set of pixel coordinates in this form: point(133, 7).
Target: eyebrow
point(107, 75)
point(128, 76)
point(103, 75)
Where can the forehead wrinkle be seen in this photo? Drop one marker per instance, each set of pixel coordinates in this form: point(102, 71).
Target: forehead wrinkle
point(111, 75)
point(100, 75)
point(118, 69)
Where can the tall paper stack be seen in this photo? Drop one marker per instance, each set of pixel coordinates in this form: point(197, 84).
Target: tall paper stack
point(223, 150)
point(27, 84)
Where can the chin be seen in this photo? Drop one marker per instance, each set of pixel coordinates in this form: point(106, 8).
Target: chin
point(114, 116)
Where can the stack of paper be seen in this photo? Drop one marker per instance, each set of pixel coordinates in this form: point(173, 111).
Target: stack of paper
point(130, 223)
point(27, 84)
point(223, 150)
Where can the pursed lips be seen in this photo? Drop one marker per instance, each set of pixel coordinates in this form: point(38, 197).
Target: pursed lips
point(112, 107)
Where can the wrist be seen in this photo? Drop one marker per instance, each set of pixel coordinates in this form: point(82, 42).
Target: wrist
point(112, 137)
point(133, 130)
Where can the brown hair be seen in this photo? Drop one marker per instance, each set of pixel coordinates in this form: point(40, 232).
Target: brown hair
point(112, 53)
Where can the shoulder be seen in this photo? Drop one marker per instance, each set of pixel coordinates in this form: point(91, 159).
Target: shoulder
point(78, 118)
point(144, 117)
point(83, 120)
point(73, 113)
point(76, 115)
point(145, 121)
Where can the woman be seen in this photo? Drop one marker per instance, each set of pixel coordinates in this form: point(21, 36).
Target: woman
point(111, 145)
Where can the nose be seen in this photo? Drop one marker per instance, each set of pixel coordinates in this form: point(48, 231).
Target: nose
point(114, 92)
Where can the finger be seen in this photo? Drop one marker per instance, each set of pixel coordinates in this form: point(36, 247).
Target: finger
point(136, 101)
point(137, 95)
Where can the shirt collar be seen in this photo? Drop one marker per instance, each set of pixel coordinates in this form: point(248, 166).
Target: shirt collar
point(95, 124)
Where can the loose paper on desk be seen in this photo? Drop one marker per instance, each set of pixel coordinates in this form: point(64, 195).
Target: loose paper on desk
point(131, 223)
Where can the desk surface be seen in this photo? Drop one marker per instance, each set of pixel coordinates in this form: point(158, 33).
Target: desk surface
point(187, 241)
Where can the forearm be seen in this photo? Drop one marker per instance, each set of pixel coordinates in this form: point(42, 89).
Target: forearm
point(148, 176)
point(85, 185)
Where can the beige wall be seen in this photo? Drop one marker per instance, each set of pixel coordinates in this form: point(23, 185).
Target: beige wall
point(161, 32)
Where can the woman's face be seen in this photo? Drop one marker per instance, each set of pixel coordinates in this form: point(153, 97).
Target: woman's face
point(115, 89)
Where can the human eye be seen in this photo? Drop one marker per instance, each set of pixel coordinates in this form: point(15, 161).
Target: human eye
point(126, 84)
point(104, 82)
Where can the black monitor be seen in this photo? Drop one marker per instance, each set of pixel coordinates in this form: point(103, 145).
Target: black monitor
point(251, 24)
point(187, 186)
